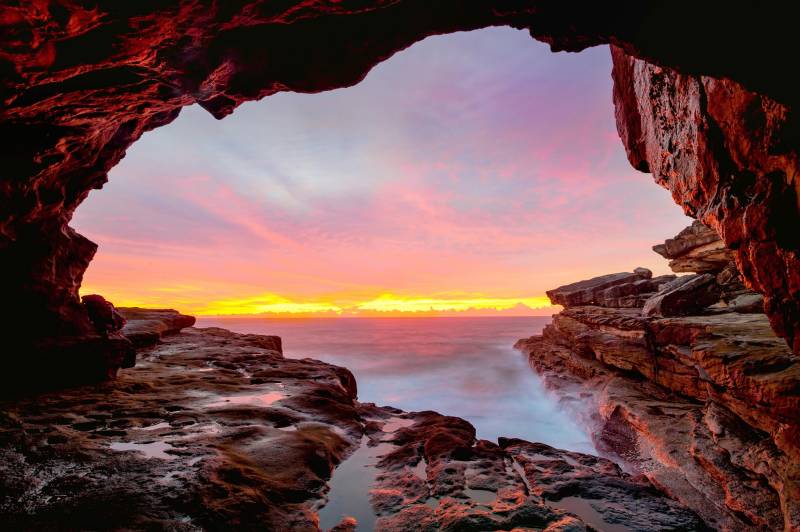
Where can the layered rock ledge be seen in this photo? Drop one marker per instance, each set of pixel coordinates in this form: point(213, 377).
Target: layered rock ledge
point(689, 387)
point(213, 430)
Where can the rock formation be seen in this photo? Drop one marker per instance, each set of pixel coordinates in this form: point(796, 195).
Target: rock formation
point(699, 396)
point(711, 116)
point(729, 157)
point(146, 326)
point(214, 430)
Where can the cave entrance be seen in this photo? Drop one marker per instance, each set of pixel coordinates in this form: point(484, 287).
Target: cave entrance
point(463, 177)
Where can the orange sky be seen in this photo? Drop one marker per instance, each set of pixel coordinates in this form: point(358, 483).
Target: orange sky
point(464, 176)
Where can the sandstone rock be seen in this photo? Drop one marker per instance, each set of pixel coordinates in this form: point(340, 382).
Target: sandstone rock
point(103, 315)
point(214, 430)
point(592, 291)
point(685, 295)
point(634, 294)
point(525, 485)
point(145, 326)
point(711, 143)
point(211, 430)
point(697, 235)
point(736, 476)
point(748, 304)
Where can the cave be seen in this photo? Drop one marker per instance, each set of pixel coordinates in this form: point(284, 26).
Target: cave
point(703, 100)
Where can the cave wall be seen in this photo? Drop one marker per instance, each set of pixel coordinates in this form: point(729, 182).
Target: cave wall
point(83, 80)
point(729, 158)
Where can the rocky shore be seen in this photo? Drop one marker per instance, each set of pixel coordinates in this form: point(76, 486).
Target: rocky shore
point(683, 380)
point(213, 429)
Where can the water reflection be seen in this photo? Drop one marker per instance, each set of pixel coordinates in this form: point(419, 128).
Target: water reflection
point(464, 367)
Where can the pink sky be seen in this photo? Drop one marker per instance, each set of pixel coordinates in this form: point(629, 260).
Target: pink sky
point(473, 170)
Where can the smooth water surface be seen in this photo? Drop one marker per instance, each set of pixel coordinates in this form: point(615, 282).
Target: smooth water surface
point(464, 367)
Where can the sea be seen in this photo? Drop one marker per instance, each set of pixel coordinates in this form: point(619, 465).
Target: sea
point(458, 366)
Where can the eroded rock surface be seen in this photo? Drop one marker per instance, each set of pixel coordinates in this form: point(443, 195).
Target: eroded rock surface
point(705, 405)
point(214, 430)
point(729, 157)
point(211, 429)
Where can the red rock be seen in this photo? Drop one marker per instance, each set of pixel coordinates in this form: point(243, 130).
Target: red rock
point(592, 291)
point(242, 438)
point(733, 475)
point(685, 295)
point(146, 326)
point(103, 315)
point(728, 156)
point(697, 235)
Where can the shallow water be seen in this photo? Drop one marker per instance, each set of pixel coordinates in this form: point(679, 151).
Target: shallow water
point(156, 449)
point(350, 487)
point(464, 367)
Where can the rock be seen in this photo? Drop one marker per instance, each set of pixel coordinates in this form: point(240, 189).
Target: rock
point(102, 314)
point(591, 291)
point(710, 143)
point(748, 304)
point(703, 401)
point(211, 430)
point(735, 465)
point(81, 85)
point(685, 295)
point(215, 430)
point(696, 236)
point(737, 360)
point(632, 295)
point(731, 285)
point(146, 326)
point(523, 484)
point(348, 524)
point(644, 272)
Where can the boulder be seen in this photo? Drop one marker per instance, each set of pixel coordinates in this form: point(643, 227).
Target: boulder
point(591, 291)
point(696, 235)
point(696, 249)
point(748, 304)
point(685, 295)
point(633, 294)
point(145, 326)
point(102, 314)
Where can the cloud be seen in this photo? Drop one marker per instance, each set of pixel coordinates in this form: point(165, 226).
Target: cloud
point(470, 163)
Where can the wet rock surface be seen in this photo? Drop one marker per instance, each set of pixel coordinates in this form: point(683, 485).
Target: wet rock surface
point(705, 405)
point(211, 429)
point(214, 429)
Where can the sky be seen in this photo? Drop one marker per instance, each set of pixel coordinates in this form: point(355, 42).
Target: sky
point(466, 175)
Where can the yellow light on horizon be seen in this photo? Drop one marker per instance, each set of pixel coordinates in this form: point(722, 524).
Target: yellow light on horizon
point(266, 304)
point(393, 303)
point(197, 303)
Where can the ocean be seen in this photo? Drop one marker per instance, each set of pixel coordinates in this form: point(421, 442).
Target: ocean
point(460, 366)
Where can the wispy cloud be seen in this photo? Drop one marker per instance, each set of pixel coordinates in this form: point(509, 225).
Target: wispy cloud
point(474, 163)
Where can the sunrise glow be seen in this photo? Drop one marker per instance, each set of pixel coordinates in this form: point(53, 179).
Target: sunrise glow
point(386, 304)
point(465, 176)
